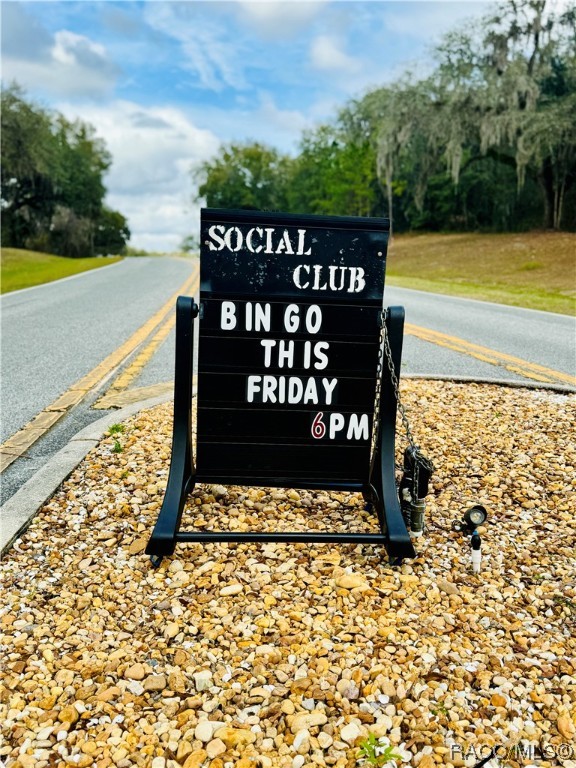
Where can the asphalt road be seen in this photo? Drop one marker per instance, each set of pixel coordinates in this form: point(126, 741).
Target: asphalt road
point(56, 333)
point(542, 338)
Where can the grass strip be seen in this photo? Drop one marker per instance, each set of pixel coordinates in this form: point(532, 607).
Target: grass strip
point(536, 270)
point(24, 269)
point(546, 301)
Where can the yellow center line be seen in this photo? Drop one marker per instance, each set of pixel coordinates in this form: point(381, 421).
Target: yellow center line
point(492, 356)
point(132, 371)
point(128, 375)
point(21, 441)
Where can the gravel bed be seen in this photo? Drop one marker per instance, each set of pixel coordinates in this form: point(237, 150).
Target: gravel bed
point(292, 655)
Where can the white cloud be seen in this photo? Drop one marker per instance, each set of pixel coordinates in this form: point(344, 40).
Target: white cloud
point(60, 79)
point(153, 151)
point(70, 48)
point(208, 53)
point(427, 21)
point(255, 119)
point(158, 222)
point(279, 20)
point(64, 64)
point(327, 54)
point(279, 122)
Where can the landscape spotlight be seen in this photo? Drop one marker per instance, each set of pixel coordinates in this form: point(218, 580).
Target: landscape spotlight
point(474, 517)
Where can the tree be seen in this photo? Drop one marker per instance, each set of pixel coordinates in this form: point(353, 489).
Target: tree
point(82, 161)
point(243, 176)
point(28, 154)
point(53, 182)
point(390, 119)
point(507, 90)
point(112, 233)
point(502, 96)
point(70, 234)
point(334, 174)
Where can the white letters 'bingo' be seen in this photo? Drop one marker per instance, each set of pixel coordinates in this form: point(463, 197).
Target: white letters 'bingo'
point(258, 317)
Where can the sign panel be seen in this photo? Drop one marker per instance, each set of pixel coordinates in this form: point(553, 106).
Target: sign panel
point(290, 315)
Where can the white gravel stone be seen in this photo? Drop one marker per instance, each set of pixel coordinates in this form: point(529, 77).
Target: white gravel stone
point(301, 741)
point(205, 730)
point(203, 680)
point(350, 733)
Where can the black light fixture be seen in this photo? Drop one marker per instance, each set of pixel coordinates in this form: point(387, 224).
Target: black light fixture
point(474, 517)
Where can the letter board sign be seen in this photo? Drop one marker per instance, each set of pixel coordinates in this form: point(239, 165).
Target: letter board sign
point(290, 324)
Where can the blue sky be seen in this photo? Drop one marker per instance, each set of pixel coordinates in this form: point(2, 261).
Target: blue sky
point(165, 83)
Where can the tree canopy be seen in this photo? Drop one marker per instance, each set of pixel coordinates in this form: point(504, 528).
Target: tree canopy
point(53, 183)
point(486, 141)
point(243, 176)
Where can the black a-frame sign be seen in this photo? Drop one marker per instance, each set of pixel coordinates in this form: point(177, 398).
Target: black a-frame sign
point(293, 390)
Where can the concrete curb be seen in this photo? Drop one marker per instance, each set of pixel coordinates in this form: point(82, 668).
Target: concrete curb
point(561, 388)
point(17, 513)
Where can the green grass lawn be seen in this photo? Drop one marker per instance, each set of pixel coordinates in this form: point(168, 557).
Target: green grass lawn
point(23, 269)
point(532, 269)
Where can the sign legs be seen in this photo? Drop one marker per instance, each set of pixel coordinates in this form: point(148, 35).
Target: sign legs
point(182, 473)
point(383, 479)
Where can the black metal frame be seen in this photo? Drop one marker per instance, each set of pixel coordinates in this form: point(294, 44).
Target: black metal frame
point(380, 487)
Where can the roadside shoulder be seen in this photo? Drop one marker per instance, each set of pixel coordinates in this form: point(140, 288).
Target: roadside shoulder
point(20, 509)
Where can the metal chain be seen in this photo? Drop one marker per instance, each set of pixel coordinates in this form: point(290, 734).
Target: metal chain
point(395, 384)
point(417, 456)
point(385, 350)
point(378, 390)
